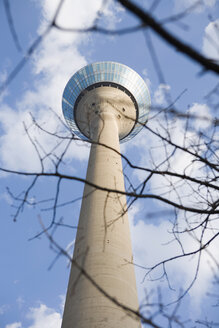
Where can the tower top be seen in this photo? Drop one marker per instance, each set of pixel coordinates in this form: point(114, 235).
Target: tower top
point(106, 74)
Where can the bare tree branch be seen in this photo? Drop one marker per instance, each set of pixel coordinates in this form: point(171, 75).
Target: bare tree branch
point(11, 25)
point(148, 20)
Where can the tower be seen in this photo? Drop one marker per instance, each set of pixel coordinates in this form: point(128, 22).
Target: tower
point(105, 103)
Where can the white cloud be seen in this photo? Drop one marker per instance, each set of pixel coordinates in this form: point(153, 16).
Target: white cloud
point(62, 298)
point(161, 94)
point(14, 325)
point(53, 63)
point(211, 40)
point(82, 11)
point(202, 111)
point(44, 317)
point(179, 161)
point(40, 317)
point(154, 242)
point(113, 13)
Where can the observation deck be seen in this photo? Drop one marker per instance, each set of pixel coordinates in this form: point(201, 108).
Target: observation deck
point(102, 83)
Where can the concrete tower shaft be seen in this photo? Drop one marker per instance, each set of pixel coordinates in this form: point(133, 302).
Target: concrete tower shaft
point(103, 245)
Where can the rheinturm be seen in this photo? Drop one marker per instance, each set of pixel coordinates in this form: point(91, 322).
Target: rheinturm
point(105, 103)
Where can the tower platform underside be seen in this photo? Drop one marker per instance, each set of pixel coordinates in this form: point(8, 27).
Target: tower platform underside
point(93, 102)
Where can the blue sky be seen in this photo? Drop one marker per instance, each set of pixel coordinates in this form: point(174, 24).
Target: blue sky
point(32, 295)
